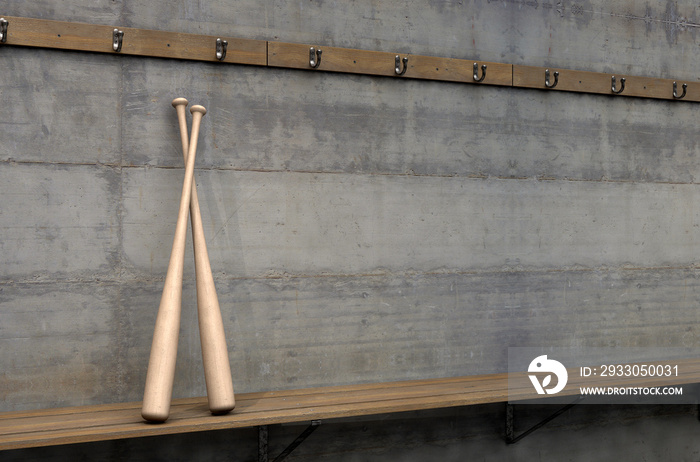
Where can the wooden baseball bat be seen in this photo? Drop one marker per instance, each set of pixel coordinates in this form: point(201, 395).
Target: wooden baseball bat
point(161, 365)
point(217, 370)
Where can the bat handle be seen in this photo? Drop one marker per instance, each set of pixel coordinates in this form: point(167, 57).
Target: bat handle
point(180, 105)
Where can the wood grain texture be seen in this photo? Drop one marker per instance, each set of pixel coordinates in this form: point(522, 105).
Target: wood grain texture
point(115, 421)
point(601, 83)
point(140, 42)
point(334, 59)
point(163, 44)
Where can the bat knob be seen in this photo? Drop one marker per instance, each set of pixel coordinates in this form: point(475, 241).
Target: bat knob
point(180, 102)
point(197, 108)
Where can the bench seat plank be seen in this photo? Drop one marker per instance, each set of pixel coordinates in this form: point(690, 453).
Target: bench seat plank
point(115, 421)
point(69, 425)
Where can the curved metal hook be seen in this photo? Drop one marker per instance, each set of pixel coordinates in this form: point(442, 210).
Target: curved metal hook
point(675, 92)
point(314, 57)
point(117, 38)
point(547, 83)
point(614, 84)
point(3, 30)
point(476, 72)
point(397, 68)
point(221, 49)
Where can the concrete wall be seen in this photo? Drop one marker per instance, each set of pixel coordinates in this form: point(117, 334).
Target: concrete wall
point(359, 228)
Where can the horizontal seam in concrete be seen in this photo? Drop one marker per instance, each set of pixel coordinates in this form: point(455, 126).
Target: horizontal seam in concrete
point(397, 274)
point(67, 164)
point(474, 176)
point(471, 176)
point(683, 22)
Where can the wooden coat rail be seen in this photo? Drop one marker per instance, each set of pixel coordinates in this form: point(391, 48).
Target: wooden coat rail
point(43, 33)
point(140, 42)
point(594, 82)
point(297, 56)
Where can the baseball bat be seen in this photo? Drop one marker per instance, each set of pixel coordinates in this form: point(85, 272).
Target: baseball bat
point(217, 370)
point(161, 364)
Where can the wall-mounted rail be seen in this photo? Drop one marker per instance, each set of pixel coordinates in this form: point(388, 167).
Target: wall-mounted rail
point(20, 31)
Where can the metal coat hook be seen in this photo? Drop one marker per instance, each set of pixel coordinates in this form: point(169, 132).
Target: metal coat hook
point(614, 84)
point(675, 90)
point(547, 83)
point(397, 68)
point(221, 49)
point(117, 38)
point(3, 30)
point(314, 57)
point(476, 72)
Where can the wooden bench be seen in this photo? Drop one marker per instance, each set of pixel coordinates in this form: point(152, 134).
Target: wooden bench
point(49, 427)
point(115, 421)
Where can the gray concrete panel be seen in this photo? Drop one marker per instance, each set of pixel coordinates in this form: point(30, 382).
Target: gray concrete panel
point(290, 332)
point(75, 11)
point(311, 224)
point(337, 330)
point(60, 345)
point(267, 119)
point(59, 221)
point(60, 107)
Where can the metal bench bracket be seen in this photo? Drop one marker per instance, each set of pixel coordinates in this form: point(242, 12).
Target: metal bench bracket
point(263, 440)
point(510, 421)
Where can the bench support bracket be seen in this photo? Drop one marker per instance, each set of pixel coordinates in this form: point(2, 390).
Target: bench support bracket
point(263, 439)
point(510, 421)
